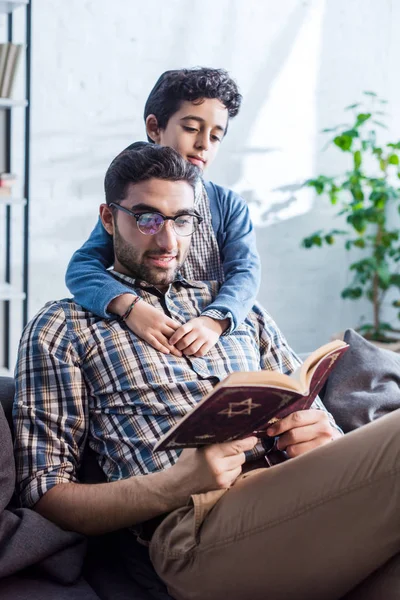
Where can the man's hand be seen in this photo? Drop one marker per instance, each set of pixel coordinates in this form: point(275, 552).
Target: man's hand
point(302, 431)
point(149, 323)
point(213, 467)
point(199, 335)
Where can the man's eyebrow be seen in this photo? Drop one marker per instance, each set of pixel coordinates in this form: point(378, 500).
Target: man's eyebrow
point(142, 207)
point(200, 120)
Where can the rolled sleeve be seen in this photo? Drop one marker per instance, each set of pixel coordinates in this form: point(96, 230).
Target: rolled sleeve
point(50, 407)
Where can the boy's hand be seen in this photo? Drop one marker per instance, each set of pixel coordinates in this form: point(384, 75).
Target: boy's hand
point(147, 322)
point(302, 431)
point(153, 326)
point(197, 336)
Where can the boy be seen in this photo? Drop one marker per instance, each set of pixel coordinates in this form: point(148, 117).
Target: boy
point(188, 110)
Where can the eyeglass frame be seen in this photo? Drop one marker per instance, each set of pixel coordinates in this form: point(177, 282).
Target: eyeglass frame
point(156, 212)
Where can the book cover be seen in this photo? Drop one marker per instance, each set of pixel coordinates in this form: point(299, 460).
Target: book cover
point(246, 403)
point(3, 60)
point(10, 69)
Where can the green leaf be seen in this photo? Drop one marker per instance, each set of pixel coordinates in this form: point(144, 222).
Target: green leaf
point(377, 152)
point(359, 243)
point(384, 275)
point(357, 159)
point(362, 118)
point(393, 159)
point(382, 164)
point(343, 142)
point(313, 240)
point(352, 293)
point(353, 133)
point(395, 280)
point(370, 94)
point(351, 106)
point(394, 146)
point(358, 221)
point(329, 239)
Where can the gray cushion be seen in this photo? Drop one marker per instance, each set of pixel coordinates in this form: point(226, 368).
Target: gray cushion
point(365, 384)
point(7, 396)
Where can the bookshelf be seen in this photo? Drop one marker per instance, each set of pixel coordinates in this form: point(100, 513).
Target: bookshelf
point(14, 210)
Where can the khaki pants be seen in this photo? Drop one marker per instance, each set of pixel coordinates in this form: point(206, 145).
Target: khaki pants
point(314, 527)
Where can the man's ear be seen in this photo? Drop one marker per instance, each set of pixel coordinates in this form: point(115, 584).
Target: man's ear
point(152, 128)
point(107, 218)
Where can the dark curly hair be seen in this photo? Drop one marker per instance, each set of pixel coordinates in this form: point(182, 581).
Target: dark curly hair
point(174, 87)
point(142, 161)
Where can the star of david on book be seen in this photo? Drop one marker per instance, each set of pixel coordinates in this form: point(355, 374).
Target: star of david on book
point(239, 408)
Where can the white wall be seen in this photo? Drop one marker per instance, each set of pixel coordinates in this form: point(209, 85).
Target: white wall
point(297, 63)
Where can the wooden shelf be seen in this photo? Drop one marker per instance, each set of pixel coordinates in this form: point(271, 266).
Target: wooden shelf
point(11, 201)
point(8, 292)
point(7, 6)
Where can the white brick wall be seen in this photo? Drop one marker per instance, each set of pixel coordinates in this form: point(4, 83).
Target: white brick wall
point(297, 63)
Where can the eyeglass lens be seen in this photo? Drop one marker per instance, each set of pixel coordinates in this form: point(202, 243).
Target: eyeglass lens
point(151, 223)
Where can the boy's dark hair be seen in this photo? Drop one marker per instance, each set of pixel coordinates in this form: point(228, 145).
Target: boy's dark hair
point(142, 161)
point(174, 87)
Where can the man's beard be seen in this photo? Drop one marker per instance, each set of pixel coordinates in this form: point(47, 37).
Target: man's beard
point(131, 259)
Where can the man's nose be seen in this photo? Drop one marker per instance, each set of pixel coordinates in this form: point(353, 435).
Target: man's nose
point(166, 237)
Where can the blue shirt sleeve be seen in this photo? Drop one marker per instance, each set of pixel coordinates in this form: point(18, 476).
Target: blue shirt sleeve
point(87, 277)
point(237, 245)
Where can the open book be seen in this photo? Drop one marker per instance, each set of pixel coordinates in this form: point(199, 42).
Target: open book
point(246, 403)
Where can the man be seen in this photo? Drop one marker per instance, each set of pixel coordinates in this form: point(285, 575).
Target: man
point(313, 527)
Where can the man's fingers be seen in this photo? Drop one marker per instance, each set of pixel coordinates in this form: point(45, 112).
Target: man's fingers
point(297, 435)
point(299, 449)
point(228, 478)
point(238, 446)
point(180, 333)
point(233, 462)
point(300, 418)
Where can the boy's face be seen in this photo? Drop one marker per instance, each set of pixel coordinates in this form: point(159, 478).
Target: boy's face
point(195, 130)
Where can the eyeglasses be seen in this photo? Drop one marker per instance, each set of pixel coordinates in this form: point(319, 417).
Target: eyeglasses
point(150, 223)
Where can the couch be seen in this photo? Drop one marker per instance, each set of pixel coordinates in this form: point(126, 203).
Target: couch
point(103, 575)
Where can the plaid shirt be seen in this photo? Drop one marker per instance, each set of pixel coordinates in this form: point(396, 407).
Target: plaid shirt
point(81, 378)
point(203, 262)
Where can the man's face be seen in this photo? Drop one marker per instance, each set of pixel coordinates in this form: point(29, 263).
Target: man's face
point(152, 258)
point(195, 130)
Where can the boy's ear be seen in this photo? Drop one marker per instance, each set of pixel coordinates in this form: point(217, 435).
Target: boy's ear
point(152, 128)
point(106, 217)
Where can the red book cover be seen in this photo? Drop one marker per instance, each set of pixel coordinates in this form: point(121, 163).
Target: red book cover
point(245, 403)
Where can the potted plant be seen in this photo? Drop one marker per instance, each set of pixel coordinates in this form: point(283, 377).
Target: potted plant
point(364, 196)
